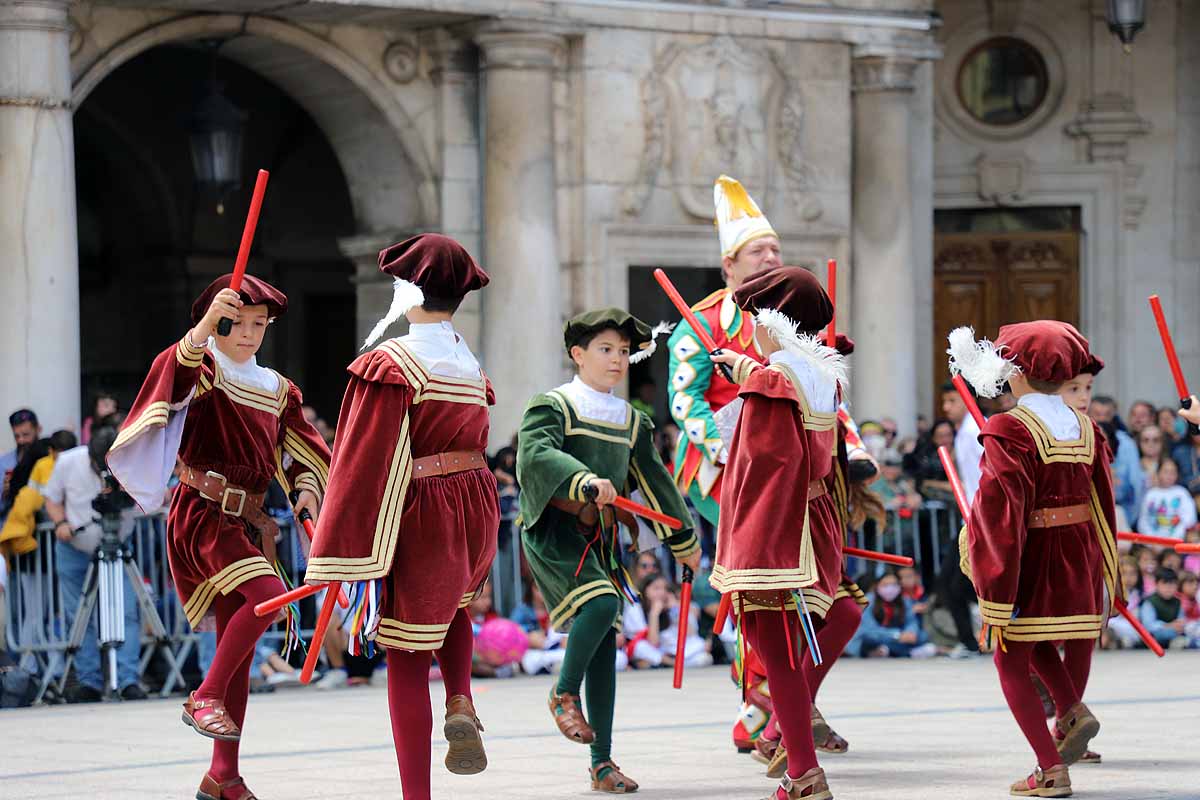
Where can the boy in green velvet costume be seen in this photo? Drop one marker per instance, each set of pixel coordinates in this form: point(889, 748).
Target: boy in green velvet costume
point(577, 442)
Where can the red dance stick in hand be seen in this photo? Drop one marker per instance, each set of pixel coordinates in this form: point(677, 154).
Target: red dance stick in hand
point(722, 612)
point(685, 311)
point(239, 266)
point(872, 555)
point(1181, 388)
point(318, 639)
point(960, 383)
point(960, 494)
point(1189, 547)
point(831, 290)
point(268, 607)
point(637, 509)
point(1141, 538)
point(685, 622)
point(1150, 641)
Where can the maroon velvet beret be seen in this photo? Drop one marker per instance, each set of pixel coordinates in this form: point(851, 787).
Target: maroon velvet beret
point(1045, 350)
point(1094, 363)
point(793, 291)
point(436, 263)
point(254, 292)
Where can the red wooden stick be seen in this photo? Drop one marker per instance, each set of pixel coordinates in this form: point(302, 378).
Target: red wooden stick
point(831, 290)
point(1169, 348)
point(960, 494)
point(318, 638)
point(960, 383)
point(685, 621)
point(871, 555)
point(684, 310)
point(272, 606)
point(256, 200)
point(648, 513)
point(1189, 547)
point(722, 612)
point(1150, 641)
point(1141, 538)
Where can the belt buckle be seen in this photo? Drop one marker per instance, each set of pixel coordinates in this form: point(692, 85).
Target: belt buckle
point(241, 496)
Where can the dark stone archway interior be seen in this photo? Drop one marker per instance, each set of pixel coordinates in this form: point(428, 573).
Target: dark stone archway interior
point(150, 241)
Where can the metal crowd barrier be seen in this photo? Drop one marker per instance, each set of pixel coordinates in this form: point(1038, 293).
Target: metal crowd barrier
point(37, 624)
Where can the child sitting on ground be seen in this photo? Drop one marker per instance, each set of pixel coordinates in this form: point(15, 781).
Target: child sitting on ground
point(890, 626)
point(1162, 611)
point(652, 628)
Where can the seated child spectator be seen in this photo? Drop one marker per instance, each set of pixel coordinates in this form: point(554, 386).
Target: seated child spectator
point(1147, 563)
point(1162, 611)
point(1188, 583)
point(1191, 561)
point(651, 627)
point(890, 627)
point(1167, 508)
point(912, 588)
point(1120, 633)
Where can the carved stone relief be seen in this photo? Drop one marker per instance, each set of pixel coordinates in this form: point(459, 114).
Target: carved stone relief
point(717, 107)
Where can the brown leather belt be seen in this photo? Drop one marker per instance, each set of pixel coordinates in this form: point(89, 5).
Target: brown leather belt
point(448, 463)
point(236, 502)
point(1055, 517)
point(586, 512)
point(816, 489)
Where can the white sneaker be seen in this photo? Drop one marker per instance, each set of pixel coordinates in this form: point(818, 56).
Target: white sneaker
point(283, 679)
point(927, 650)
point(334, 679)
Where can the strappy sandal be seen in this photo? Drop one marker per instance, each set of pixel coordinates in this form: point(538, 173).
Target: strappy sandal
point(569, 719)
point(1078, 727)
point(210, 789)
point(833, 743)
point(1090, 757)
point(209, 718)
point(764, 749)
point(613, 781)
point(1053, 782)
point(821, 729)
point(809, 786)
point(778, 766)
point(466, 755)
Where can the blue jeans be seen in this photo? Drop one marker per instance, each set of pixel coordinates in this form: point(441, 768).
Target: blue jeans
point(72, 568)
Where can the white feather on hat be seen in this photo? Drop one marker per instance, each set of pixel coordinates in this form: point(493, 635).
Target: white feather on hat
point(649, 348)
point(825, 360)
point(405, 296)
point(980, 363)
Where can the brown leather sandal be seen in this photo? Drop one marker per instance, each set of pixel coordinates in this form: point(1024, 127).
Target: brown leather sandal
point(833, 743)
point(613, 781)
point(1077, 728)
point(764, 749)
point(1090, 757)
point(1053, 782)
point(778, 766)
point(466, 755)
point(821, 729)
point(569, 718)
point(211, 790)
point(809, 786)
point(209, 718)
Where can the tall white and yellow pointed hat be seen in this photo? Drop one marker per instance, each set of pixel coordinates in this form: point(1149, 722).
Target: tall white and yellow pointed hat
point(739, 219)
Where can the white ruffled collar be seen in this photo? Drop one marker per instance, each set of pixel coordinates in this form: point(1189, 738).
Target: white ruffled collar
point(593, 404)
point(247, 373)
point(1053, 410)
point(441, 350)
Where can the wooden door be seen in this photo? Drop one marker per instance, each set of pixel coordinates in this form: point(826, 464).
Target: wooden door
point(986, 280)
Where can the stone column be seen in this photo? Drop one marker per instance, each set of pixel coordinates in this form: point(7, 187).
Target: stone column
point(39, 268)
point(522, 307)
point(884, 293)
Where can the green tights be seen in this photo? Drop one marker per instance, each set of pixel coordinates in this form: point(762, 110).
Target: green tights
point(592, 653)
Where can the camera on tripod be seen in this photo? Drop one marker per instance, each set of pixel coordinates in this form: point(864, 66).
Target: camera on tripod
point(112, 499)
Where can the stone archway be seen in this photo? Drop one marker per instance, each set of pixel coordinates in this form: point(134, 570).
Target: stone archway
point(373, 135)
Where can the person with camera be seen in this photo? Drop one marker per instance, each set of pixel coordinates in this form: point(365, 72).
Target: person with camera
point(76, 487)
point(232, 425)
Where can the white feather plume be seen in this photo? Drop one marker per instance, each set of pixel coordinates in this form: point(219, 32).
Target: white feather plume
point(825, 360)
point(980, 363)
point(652, 346)
point(405, 295)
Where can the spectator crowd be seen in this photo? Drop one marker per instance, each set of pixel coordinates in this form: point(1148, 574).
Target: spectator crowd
point(50, 481)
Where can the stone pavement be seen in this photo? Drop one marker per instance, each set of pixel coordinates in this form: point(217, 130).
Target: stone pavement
point(931, 730)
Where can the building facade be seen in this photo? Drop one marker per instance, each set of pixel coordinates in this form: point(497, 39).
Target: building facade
point(571, 145)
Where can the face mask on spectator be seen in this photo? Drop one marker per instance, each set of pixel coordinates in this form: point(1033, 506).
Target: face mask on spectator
point(889, 592)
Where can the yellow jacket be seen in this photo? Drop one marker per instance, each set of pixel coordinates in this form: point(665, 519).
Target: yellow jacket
point(17, 536)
